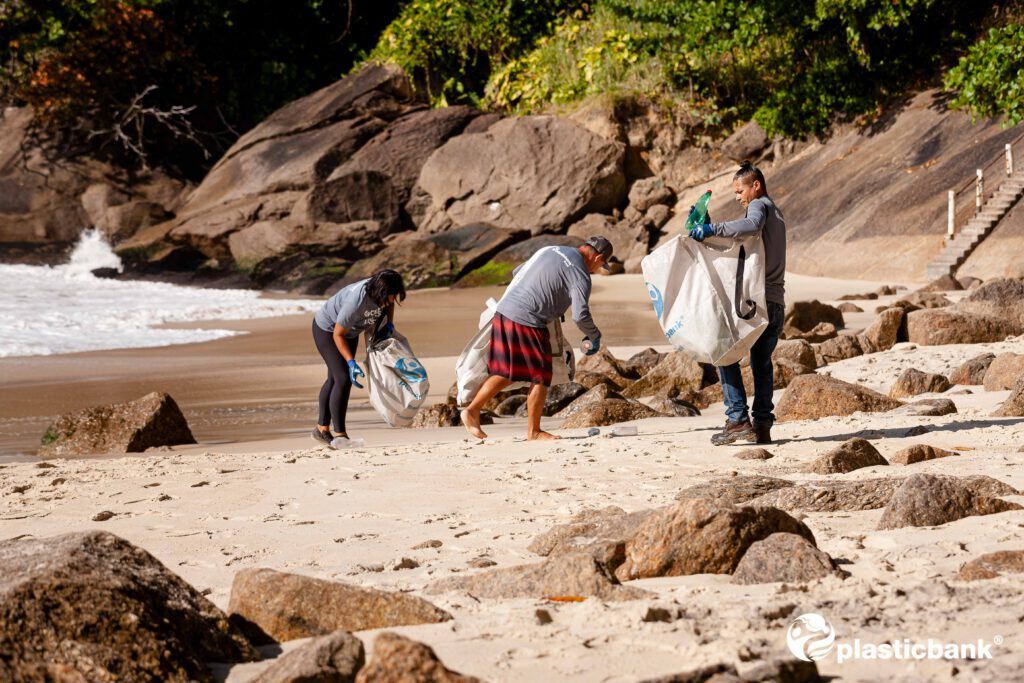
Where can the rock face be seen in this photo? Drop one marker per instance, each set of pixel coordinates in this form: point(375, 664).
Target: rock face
point(288, 606)
point(334, 658)
point(559, 576)
point(102, 609)
point(933, 327)
point(701, 536)
point(847, 457)
point(783, 557)
point(803, 316)
point(919, 453)
point(885, 331)
point(1013, 406)
point(991, 565)
point(973, 371)
point(928, 500)
point(912, 382)
point(677, 373)
point(1004, 371)
point(538, 173)
point(735, 490)
point(153, 420)
point(999, 297)
point(397, 659)
point(810, 397)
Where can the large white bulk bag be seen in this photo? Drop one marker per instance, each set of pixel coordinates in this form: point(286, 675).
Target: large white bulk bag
point(398, 381)
point(471, 367)
point(709, 296)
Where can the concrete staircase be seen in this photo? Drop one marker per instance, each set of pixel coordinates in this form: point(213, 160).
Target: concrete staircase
point(955, 251)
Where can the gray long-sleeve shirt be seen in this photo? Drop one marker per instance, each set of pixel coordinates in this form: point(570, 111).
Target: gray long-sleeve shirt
point(544, 287)
point(762, 215)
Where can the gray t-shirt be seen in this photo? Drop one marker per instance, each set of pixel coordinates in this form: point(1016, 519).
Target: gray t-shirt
point(544, 287)
point(764, 216)
point(351, 308)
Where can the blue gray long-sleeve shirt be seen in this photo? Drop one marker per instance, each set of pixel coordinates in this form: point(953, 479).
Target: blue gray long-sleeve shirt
point(544, 287)
point(764, 217)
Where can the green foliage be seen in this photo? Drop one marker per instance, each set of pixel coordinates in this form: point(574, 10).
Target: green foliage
point(50, 435)
point(989, 79)
point(450, 47)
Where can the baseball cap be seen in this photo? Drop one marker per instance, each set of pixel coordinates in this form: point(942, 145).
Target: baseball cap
point(602, 246)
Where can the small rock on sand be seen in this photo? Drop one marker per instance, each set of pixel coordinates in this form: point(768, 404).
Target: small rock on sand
point(397, 658)
point(847, 457)
point(783, 557)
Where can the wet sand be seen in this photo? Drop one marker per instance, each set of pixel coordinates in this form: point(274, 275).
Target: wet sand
point(263, 384)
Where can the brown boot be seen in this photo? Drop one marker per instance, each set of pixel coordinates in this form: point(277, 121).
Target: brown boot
point(732, 432)
point(763, 433)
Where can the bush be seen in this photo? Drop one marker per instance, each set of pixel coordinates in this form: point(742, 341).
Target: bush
point(989, 79)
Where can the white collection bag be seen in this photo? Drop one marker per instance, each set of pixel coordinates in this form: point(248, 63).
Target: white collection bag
point(709, 296)
point(398, 381)
point(471, 367)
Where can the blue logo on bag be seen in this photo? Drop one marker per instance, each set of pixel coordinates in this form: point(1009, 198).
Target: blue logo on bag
point(656, 299)
point(410, 370)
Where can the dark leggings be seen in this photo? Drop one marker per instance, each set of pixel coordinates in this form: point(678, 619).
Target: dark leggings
point(334, 393)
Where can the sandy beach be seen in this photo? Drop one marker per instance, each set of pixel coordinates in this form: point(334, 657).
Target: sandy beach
point(256, 492)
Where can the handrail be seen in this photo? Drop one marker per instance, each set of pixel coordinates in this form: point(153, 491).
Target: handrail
point(965, 199)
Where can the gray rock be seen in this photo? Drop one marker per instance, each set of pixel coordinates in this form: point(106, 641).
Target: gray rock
point(928, 407)
point(928, 500)
point(973, 371)
point(746, 142)
point(797, 350)
point(783, 557)
point(831, 496)
point(647, 192)
point(840, 347)
point(912, 382)
point(735, 490)
point(677, 372)
point(510, 406)
point(334, 658)
point(847, 457)
point(998, 297)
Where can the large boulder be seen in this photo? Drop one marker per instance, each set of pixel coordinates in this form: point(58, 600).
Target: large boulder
point(701, 536)
point(538, 173)
point(1004, 371)
point(885, 331)
point(973, 371)
point(912, 382)
point(676, 373)
point(840, 347)
point(784, 557)
point(746, 143)
point(811, 397)
point(1000, 298)
point(929, 500)
point(283, 606)
point(132, 427)
point(647, 192)
point(849, 456)
point(397, 659)
point(101, 609)
point(1013, 406)
point(804, 316)
point(498, 270)
point(558, 576)
point(932, 327)
point(334, 658)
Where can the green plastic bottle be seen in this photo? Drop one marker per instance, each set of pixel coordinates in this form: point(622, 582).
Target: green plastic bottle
point(699, 212)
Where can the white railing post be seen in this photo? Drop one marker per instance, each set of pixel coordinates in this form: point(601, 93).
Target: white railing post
point(951, 215)
point(1009, 159)
point(979, 192)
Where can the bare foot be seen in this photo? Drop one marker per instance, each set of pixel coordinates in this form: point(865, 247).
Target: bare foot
point(471, 421)
point(541, 436)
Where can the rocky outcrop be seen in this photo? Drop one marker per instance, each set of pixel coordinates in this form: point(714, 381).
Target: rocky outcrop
point(97, 608)
point(912, 382)
point(281, 606)
point(847, 457)
point(811, 397)
point(701, 536)
point(153, 420)
point(536, 173)
point(933, 327)
point(400, 659)
point(928, 500)
point(784, 557)
point(1003, 372)
point(334, 658)
point(559, 576)
point(973, 371)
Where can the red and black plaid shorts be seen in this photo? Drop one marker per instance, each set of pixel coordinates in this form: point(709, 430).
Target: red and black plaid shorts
point(519, 353)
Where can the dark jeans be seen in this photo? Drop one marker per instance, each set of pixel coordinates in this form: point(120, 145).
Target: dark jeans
point(334, 393)
point(764, 376)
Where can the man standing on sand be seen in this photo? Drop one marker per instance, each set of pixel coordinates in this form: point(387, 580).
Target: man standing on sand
point(541, 290)
point(762, 216)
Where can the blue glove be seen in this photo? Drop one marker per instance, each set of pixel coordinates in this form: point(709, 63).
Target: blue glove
point(699, 232)
point(389, 329)
point(591, 346)
point(355, 371)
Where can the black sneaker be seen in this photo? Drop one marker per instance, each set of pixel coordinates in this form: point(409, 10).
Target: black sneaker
point(322, 437)
point(732, 432)
point(762, 433)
